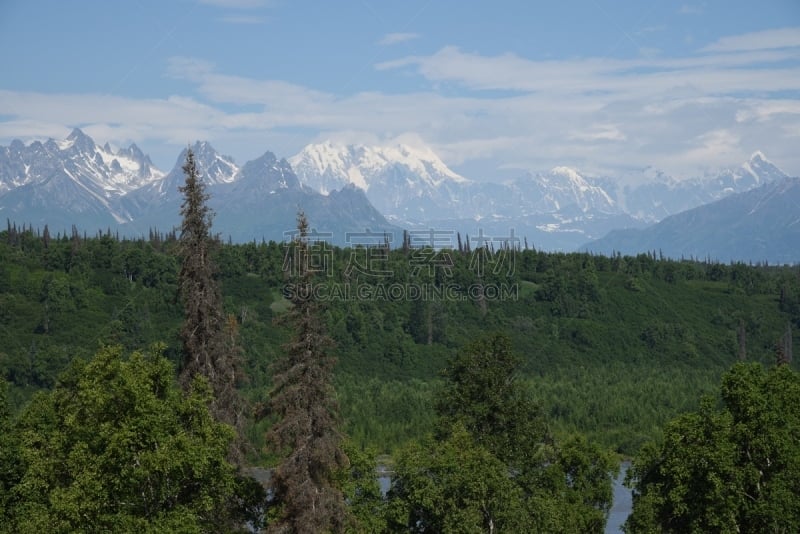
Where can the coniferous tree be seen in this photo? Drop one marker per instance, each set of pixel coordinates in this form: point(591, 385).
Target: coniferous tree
point(207, 349)
point(306, 498)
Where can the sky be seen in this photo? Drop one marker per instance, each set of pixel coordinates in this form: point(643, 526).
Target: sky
point(619, 88)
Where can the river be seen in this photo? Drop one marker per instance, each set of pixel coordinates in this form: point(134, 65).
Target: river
point(622, 502)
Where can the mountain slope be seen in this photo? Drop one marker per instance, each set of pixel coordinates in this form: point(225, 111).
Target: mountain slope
point(403, 182)
point(557, 210)
point(762, 224)
point(664, 196)
point(71, 181)
point(257, 200)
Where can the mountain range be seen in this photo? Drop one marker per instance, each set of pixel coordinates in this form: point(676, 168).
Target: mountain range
point(76, 182)
point(354, 188)
point(70, 182)
point(762, 225)
point(561, 209)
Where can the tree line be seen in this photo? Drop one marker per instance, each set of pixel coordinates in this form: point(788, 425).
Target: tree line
point(485, 430)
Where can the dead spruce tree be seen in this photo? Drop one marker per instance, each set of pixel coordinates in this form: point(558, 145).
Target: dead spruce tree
point(207, 348)
point(306, 500)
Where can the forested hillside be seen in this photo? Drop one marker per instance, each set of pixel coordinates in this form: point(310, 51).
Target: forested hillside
point(610, 347)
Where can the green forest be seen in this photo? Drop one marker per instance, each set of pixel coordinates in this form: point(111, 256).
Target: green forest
point(611, 347)
point(448, 366)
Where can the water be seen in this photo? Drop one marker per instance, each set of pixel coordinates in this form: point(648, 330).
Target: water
point(385, 482)
point(622, 503)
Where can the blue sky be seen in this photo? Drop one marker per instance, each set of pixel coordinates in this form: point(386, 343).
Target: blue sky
point(607, 87)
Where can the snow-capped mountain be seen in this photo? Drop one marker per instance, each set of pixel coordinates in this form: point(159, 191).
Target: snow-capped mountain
point(258, 200)
point(563, 188)
point(561, 208)
point(76, 182)
point(70, 181)
point(761, 224)
point(664, 196)
point(403, 182)
point(97, 168)
point(214, 169)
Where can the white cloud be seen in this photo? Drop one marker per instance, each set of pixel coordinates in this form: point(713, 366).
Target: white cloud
point(603, 115)
point(238, 90)
point(394, 38)
point(716, 145)
point(763, 40)
point(586, 75)
point(599, 132)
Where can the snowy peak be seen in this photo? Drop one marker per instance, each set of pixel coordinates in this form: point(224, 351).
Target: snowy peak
point(78, 142)
point(329, 166)
point(563, 188)
point(756, 171)
point(762, 169)
point(402, 181)
point(571, 174)
point(213, 166)
point(100, 169)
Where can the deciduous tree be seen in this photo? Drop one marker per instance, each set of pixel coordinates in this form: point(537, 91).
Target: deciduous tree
point(729, 469)
point(117, 447)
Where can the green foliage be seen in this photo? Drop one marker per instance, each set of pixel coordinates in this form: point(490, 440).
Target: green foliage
point(385, 413)
point(493, 464)
point(455, 485)
point(115, 446)
point(10, 468)
point(482, 393)
point(358, 482)
point(729, 469)
point(606, 357)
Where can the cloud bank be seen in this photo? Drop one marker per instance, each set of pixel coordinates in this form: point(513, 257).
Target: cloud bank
point(704, 110)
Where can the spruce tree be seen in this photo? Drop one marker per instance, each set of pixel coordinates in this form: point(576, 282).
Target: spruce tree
point(207, 349)
point(306, 497)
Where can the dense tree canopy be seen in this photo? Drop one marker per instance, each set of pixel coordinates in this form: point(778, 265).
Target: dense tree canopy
point(734, 468)
point(116, 446)
point(493, 466)
point(613, 354)
point(609, 347)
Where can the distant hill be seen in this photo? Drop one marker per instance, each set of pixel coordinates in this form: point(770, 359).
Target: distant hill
point(762, 224)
